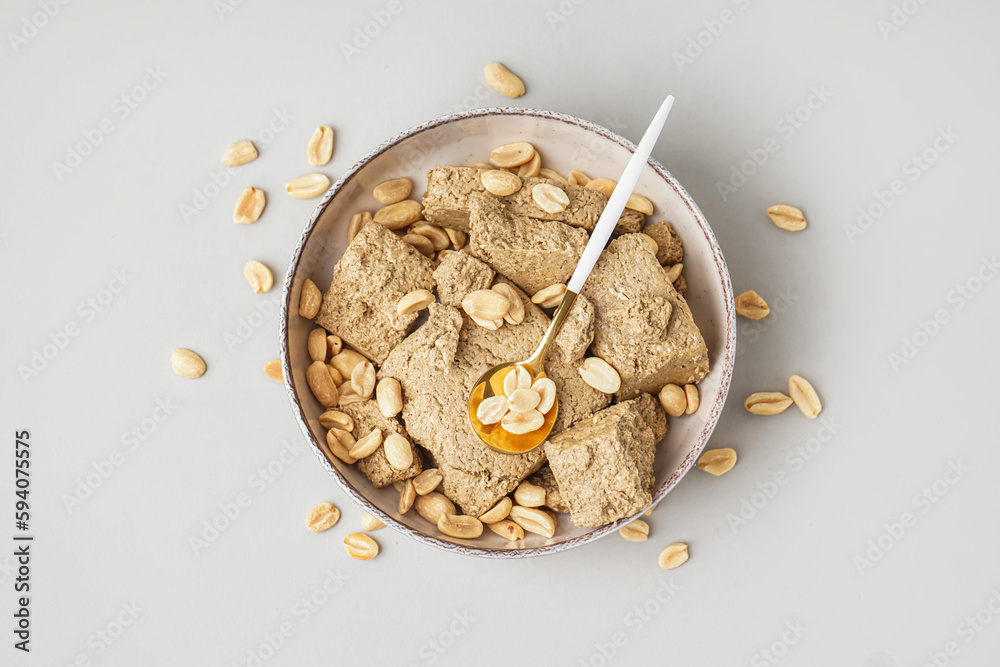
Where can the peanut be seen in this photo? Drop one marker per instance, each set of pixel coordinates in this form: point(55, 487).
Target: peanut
point(320, 148)
point(391, 192)
point(360, 546)
point(309, 299)
point(322, 517)
point(187, 363)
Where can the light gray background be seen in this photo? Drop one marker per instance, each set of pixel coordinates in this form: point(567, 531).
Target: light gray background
point(849, 302)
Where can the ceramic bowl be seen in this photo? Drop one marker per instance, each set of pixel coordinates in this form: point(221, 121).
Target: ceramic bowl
point(564, 143)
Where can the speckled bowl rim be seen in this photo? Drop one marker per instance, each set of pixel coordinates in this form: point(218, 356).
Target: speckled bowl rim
point(725, 371)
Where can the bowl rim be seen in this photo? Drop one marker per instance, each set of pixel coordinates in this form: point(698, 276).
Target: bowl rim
point(725, 371)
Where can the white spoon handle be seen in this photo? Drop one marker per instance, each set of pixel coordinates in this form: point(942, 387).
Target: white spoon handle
point(616, 204)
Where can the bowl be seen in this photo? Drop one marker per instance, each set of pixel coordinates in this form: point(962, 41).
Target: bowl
point(565, 143)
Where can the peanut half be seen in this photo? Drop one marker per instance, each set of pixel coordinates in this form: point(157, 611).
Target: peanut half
point(316, 344)
point(498, 512)
point(427, 481)
point(273, 370)
point(500, 182)
point(239, 153)
point(673, 555)
point(367, 445)
point(370, 523)
point(322, 517)
point(398, 451)
point(363, 379)
point(550, 198)
point(805, 396)
point(389, 396)
point(308, 186)
point(310, 299)
point(533, 520)
point(507, 529)
point(673, 399)
point(637, 531)
point(515, 314)
point(529, 495)
point(434, 505)
point(549, 297)
point(486, 304)
point(600, 375)
point(399, 215)
point(187, 363)
point(503, 80)
point(767, 403)
point(717, 461)
point(249, 206)
point(322, 385)
point(460, 526)
point(337, 419)
point(787, 217)
point(512, 155)
point(358, 220)
point(320, 148)
point(391, 192)
point(360, 546)
point(258, 276)
point(750, 305)
point(407, 496)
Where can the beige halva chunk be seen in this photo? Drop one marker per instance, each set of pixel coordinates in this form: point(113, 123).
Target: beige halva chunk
point(670, 247)
point(604, 465)
point(454, 352)
point(449, 190)
point(376, 466)
point(376, 271)
point(634, 301)
point(459, 273)
point(435, 393)
point(532, 253)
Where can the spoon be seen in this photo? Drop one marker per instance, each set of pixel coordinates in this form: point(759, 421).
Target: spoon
point(532, 370)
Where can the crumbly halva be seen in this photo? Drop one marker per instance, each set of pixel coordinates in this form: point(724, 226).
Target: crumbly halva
point(376, 271)
point(459, 273)
point(670, 247)
point(449, 190)
point(376, 466)
point(532, 253)
point(603, 465)
point(643, 326)
point(435, 393)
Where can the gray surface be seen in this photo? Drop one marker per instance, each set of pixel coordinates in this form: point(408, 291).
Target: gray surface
point(794, 562)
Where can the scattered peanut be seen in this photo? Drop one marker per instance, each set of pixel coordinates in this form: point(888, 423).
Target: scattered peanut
point(358, 220)
point(486, 304)
point(239, 153)
point(316, 344)
point(673, 555)
point(693, 399)
point(512, 155)
point(273, 370)
point(322, 517)
point(637, 531)
point(787, 217)
point(363, 379)
point(187, 363)
point(407, 495)
point(308, 186)
point(503, 80)
point(805, 396)
point(717, 461)
point(322, 385)
point(249, 206)
point(533, 520)
point(767, 403)
point(508, 529)
point(427, 481)
point(529, 495)
point(399, 215)
point(370, 523)
point(434, 505)
point(258, 276)
point(398, 451)
point(320, 148)
point(337, 419)
point(360, 546)
point(367, 445)
point(751, 306)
